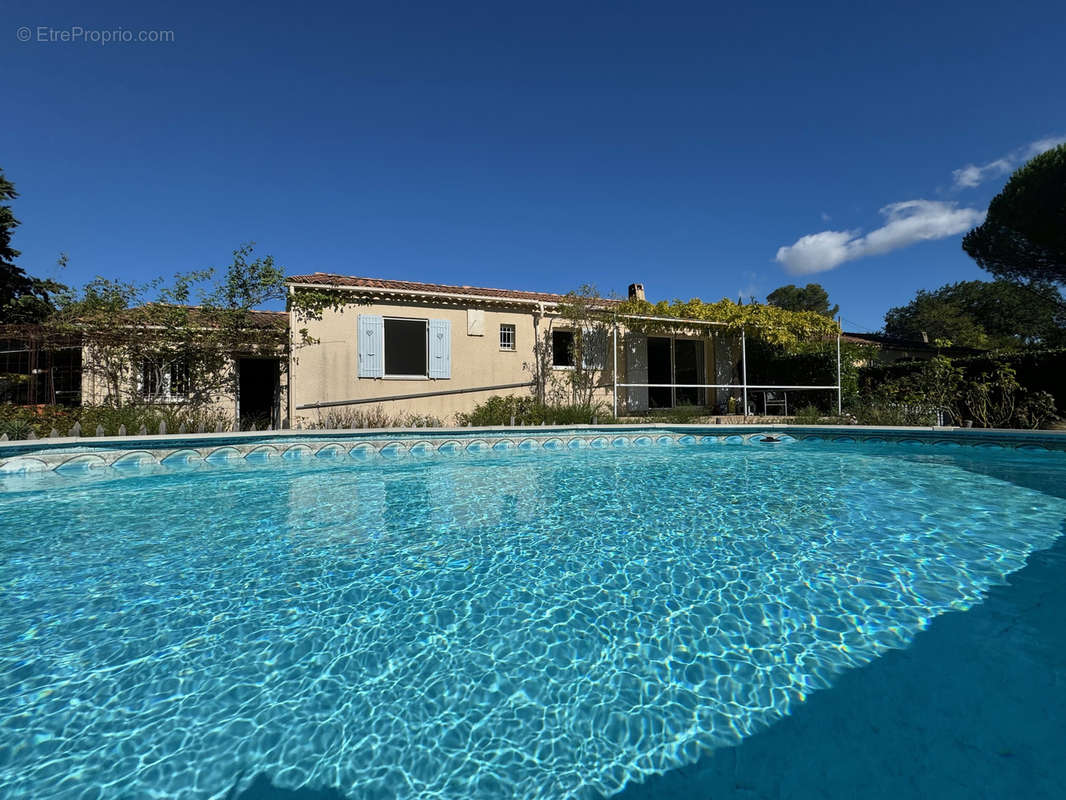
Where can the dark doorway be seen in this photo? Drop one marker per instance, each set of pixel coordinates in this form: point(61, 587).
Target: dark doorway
point(258, 391)
point(659, 371)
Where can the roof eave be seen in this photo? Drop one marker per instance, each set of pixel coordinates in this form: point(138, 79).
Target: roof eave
point(453, 296)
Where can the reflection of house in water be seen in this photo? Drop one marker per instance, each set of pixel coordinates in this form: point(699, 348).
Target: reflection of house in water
point(435, 508)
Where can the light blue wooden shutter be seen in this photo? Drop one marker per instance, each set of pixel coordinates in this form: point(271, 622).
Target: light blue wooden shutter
point(440, 348)
point(371, 335)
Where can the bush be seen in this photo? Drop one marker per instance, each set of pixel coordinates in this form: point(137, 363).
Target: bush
point(1037, 410)
point(1035, 370)
point(18, 421)
point(372, 417)
point(939, 390)
point(499, 410)
point(680, 415)
point(995, 399)
point(808, 415)
point(878, 411)
point(346, 418)
point(918, 398)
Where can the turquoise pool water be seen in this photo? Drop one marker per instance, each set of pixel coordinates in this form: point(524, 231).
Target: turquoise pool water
point(522, 624)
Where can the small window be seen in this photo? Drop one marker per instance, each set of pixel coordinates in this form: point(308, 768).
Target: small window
point(507, 337)
point(562, 348)
point(165, 380)
point(406, 347)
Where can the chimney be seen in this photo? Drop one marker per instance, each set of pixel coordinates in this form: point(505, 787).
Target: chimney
point(636, 291)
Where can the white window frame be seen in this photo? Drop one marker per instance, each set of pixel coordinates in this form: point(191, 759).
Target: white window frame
point(164, 394)
point(385, 349)
point(513, 329)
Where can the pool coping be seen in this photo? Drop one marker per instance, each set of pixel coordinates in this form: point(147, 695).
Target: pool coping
point(79, 453)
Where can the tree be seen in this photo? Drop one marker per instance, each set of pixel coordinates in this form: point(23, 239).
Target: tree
point(143, 339)
point(584, 315)
point(811, 297)
point(985, 314)
point(1023, 237)
point(22, 297)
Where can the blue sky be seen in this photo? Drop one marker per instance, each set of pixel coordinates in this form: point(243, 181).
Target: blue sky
point(536, 145)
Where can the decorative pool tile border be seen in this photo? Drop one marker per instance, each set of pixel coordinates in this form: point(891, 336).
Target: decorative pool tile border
point(77, 455)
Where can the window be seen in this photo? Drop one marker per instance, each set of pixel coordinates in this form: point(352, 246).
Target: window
point(406, 347)
point(562, 348)
point(507, 337)
point(165, 380)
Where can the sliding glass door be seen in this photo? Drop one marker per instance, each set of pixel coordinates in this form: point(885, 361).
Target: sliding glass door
point(689, 368)
point(675, 361)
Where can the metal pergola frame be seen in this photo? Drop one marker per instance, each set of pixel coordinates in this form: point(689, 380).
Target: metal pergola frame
point(743, 385)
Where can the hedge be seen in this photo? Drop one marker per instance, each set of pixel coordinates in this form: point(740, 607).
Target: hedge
point(1036, 370)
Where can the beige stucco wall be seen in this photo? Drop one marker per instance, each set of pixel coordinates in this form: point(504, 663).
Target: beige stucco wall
point(95, 388)
point(327, 369)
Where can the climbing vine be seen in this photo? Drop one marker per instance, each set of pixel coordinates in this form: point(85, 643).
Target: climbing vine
point(772, 325)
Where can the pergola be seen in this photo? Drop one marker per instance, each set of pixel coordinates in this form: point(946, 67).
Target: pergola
point(744, 386)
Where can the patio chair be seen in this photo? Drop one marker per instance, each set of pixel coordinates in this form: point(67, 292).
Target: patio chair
point(776, 400)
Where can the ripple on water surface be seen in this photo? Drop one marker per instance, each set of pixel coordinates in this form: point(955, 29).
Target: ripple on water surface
point(529, 625)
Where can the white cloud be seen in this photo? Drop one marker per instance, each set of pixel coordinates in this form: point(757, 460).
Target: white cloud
point(825, 217)
point(974, 175)
point(1043, 145)
point(816, 252)
point(907, 223)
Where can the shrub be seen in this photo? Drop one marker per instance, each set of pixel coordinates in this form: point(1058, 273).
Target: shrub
point(995, 399)
point(1035, 370)
point(18, 421)
point(680, 415)
point(499, 410)
point(1036, 410)
point(921, 397)
point(939, 390)
point(371, 417)
point(348, 418)
point(808, 415)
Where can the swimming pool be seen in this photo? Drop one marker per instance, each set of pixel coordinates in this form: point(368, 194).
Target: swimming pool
point(542, 623)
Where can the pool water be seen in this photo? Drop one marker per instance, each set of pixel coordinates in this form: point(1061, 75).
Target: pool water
point(526, 625)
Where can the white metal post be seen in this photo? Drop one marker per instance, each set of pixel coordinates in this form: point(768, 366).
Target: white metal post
point(614, 370)
point(744, 366)
point(839, 391)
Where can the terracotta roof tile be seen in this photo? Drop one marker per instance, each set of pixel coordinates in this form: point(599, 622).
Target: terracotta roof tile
point(326, 279)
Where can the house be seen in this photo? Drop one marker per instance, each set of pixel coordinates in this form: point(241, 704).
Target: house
point(38, 367)
point(890, 348)
point(409, 349)
point(231, 361)
point(154, 355)
point(434, 350)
